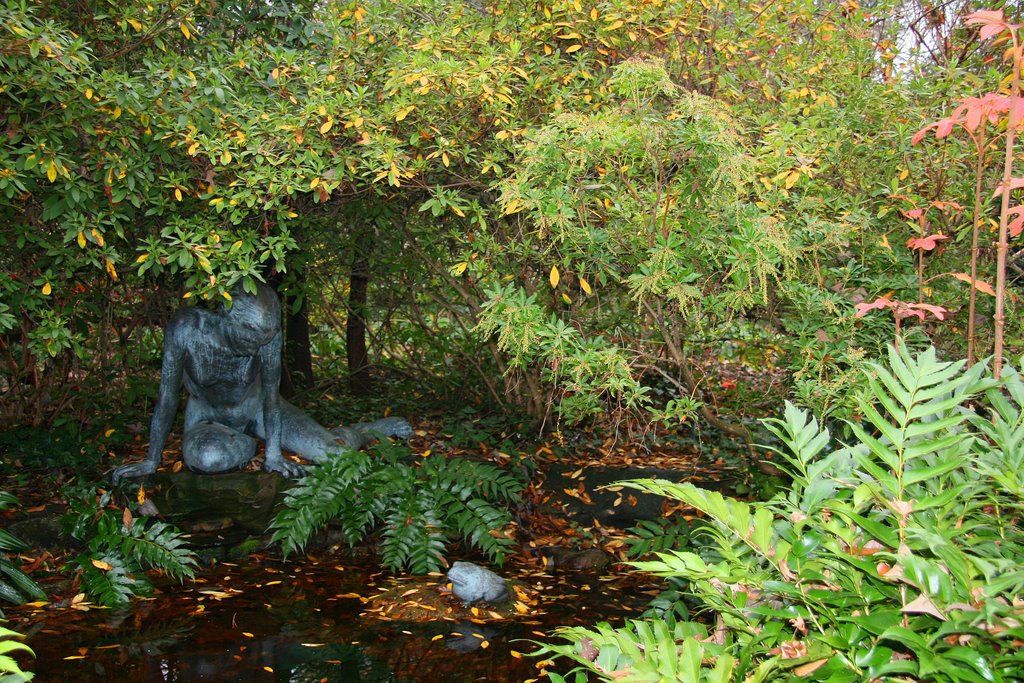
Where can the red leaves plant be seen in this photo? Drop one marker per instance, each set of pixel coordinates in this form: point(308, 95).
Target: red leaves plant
point(902, 309)
point(926, 243)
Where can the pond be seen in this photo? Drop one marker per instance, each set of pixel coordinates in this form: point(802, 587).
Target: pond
point(318, 620)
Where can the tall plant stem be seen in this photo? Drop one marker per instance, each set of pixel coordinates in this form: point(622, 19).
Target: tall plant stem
point(979, 171)
point(1002, 246)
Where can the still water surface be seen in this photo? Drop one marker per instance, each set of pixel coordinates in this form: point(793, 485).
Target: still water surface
point(309, 621)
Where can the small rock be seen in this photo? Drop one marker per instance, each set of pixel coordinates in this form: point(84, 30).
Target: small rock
point(471, 583)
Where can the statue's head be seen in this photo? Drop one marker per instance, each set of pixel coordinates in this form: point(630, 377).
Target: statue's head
point(252, 321)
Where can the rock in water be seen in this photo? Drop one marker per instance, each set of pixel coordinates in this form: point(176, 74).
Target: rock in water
point(471, 583)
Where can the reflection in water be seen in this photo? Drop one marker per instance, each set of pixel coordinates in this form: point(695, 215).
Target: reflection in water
point(294, 622)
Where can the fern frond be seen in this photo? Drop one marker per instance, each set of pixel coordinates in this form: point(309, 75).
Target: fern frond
point(114, 586)
point(753, 529)
point(159, 545)
point(318, 497)
point(474, 519)
point(658, 535)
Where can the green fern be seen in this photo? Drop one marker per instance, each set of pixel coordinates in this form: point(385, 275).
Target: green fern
point(160, 546)
point(657, 535)
point(421, 504)
point(644, 651)
point(112, 570)
point(885, 557)
point(111, 580)
point(324, 493)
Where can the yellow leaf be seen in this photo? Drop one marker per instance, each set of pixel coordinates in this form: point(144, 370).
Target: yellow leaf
point(184, 30)
point(572, 48)
point(904, 173)
point(885, 242)
point(614, 25)
point(81, 239)
point(88, 93)
point(51, 172)
point(593, 14)
point(101, 565)
point(585, 286)
point(47, 289)
point(111, 269)
point(226, 295)
point(225, 157)
point(459, 268)
point(98, 236)
point(791, 178)
point(142, 258)
point(513, 207)
point(458, 212)
point(445, 160)
point(326, 126)
point(186, 295)
point(565, 298)
point(177, 194)
point(275, 73)
point(192, 149)
point(322, 110)
point(403, 112)
point(135, 24)
point(216, 200)
point(553, 276)
point(140, 495)
point(314, 182)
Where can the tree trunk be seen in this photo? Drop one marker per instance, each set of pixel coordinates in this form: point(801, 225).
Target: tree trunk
point(298, 357)
point(355, 330)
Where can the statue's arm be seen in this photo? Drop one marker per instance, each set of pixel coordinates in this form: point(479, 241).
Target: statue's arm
point(270, 376)
point(171, 371)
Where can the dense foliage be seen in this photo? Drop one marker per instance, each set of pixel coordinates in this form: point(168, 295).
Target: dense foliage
point(563, 208)
point(120, 546)
point(896, 556)
point(419, 506)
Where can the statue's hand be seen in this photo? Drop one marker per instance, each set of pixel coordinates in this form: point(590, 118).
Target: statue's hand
point(285, 467)
point(139, 469)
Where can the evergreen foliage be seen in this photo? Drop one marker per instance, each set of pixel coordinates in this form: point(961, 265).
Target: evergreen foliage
point(15, 586)
point(897, 557)
point(10, 670)
point(121, 547)
point(421, 505)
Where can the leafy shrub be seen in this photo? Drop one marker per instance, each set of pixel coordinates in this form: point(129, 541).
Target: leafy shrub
point(897, 557)
point(15, 586)
point(421, 505)
point(120, 546)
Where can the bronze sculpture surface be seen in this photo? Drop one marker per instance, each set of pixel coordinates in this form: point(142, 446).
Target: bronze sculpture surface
point(229, 361)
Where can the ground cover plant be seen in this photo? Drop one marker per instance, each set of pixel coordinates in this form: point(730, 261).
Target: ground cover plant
point(896, 556)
